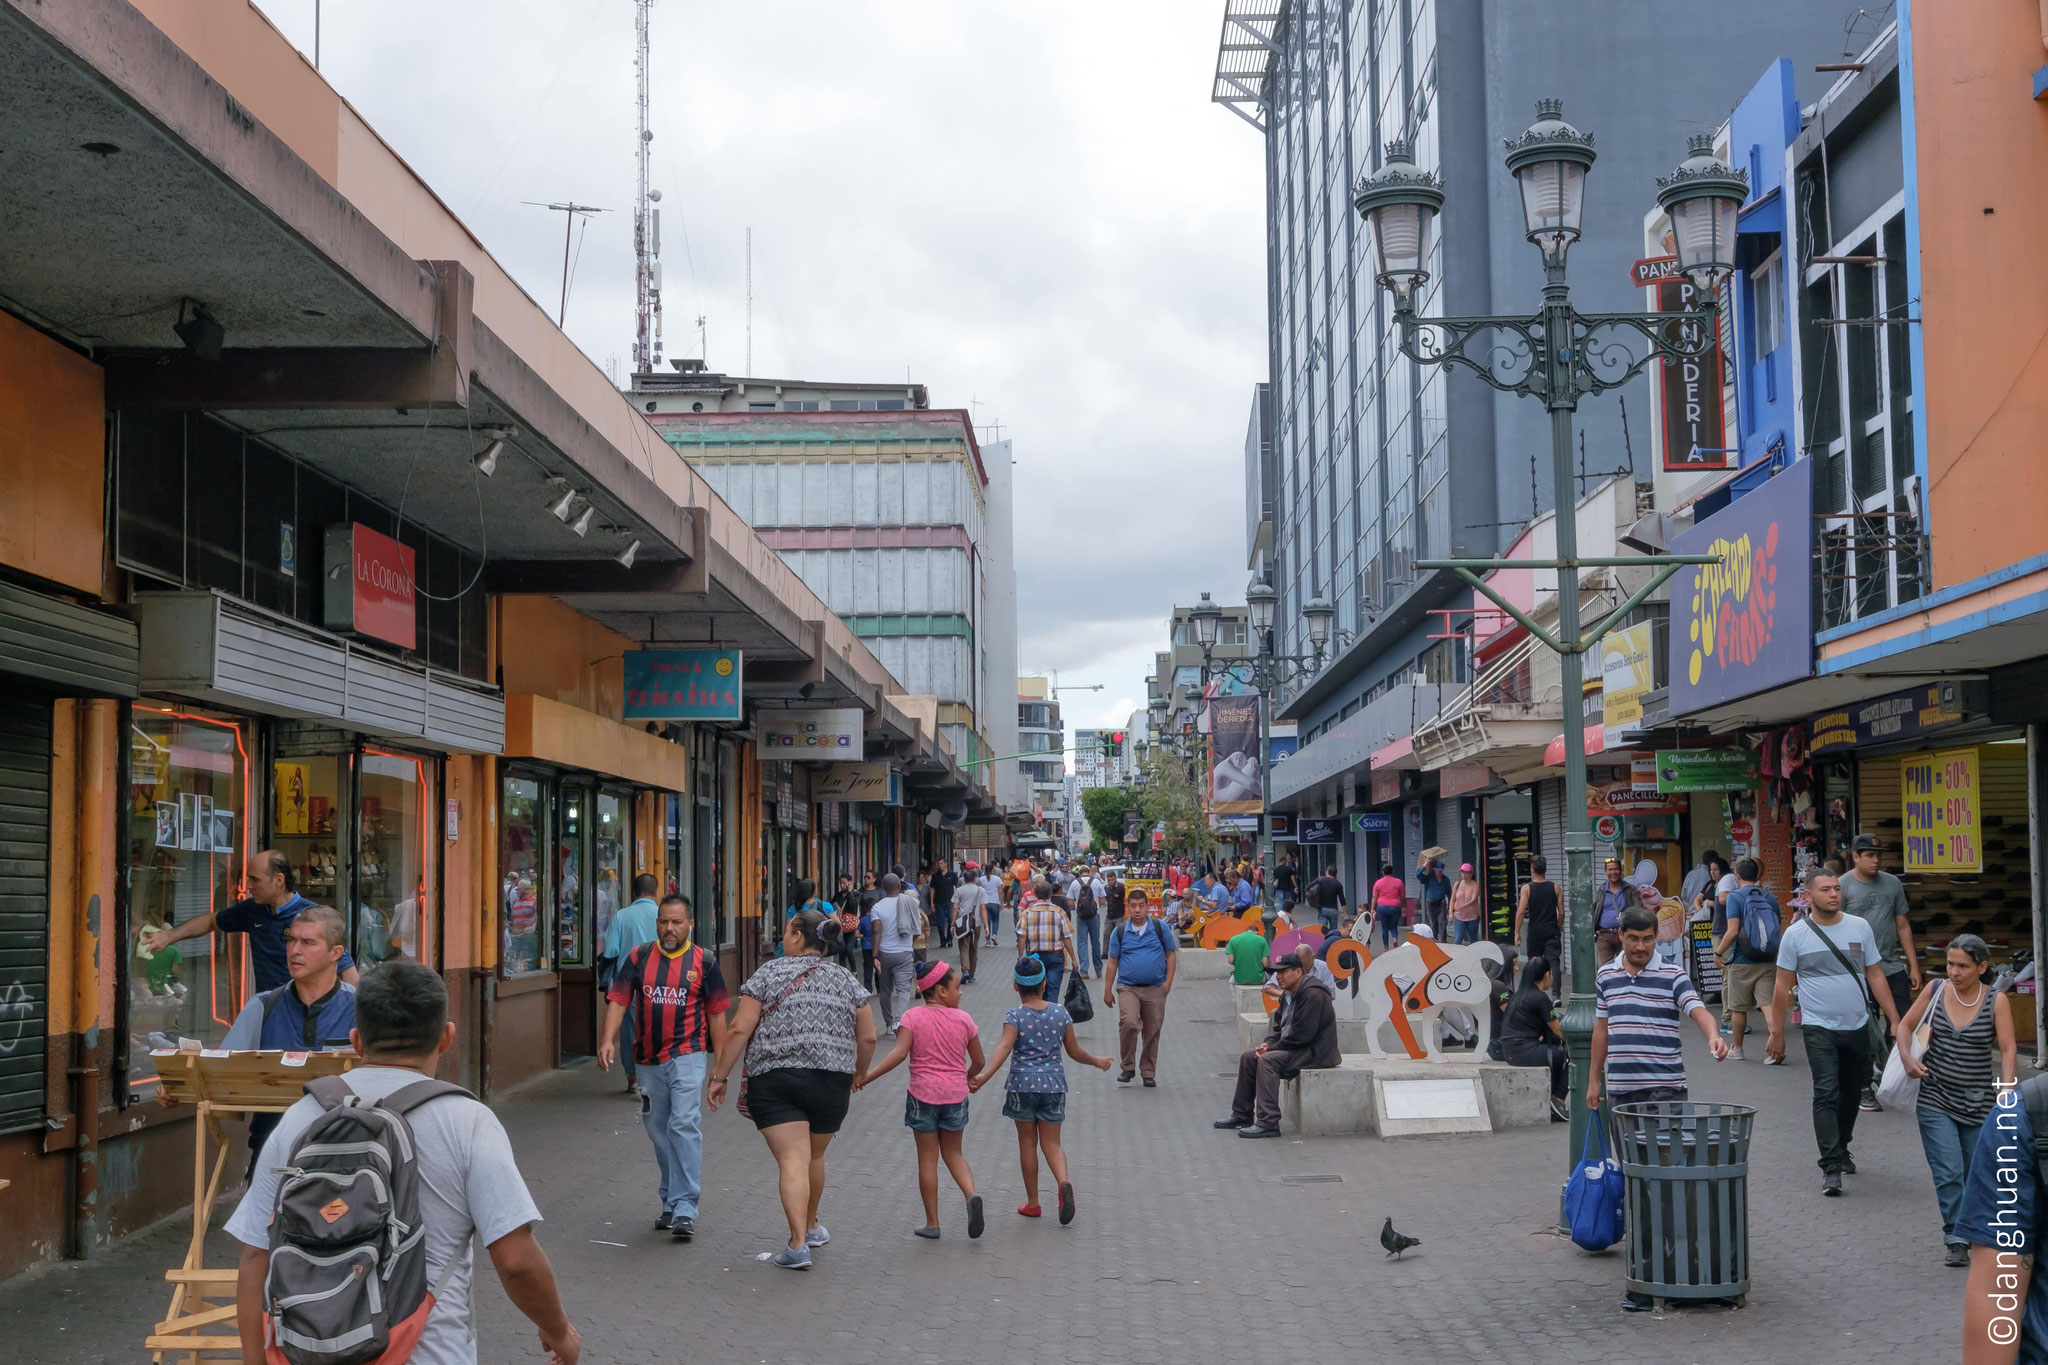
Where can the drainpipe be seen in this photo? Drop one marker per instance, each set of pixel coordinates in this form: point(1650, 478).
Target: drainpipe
point(94, 838)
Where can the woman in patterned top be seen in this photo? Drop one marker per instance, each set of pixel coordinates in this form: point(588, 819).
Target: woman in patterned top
point(806, 1032)
point(1036, 1097)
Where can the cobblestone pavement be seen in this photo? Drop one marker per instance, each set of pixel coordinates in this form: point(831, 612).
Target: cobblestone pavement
point(1191, 1244)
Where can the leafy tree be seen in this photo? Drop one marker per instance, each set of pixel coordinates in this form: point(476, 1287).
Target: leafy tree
point(1170, 793)
point(1104, 807)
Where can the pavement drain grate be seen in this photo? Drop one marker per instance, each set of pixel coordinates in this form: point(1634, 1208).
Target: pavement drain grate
point(1313, 1179)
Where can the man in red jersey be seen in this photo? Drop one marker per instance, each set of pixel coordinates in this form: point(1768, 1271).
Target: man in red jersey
point(679, 1003)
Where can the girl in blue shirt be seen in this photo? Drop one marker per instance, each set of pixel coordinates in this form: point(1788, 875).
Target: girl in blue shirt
point(1034, 1033)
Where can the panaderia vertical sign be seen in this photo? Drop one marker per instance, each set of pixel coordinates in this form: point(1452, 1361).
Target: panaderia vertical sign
point(1745, 624)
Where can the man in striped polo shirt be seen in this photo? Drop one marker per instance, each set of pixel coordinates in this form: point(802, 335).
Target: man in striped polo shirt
point(679, 1002)
point(1638, 1004)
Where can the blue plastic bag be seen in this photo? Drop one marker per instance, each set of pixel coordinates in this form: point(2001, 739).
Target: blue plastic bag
point(1593, 1197)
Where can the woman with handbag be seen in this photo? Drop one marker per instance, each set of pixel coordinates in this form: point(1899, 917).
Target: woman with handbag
point(805, 1031)
point(1957, 1040)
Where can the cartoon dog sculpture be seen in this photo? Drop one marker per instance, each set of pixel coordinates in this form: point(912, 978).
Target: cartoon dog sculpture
point(1435, 976)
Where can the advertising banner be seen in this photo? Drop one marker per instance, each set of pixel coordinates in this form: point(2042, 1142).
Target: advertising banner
point(1902, 715)
point(828, 734)
point(1133, 825)
point(1308, 831)
point(1234, 785)
point(1622, 798)
point(1626, 672)
point(682, 684)
point(1706, 770)
point(1943, 818)
point(851, 782)
point(1694, 429)
point(1746, 624)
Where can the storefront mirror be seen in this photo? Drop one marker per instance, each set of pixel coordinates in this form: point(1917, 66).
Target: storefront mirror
point(395, 890)
point(608, 862)
point(523, 874)
point(569, 876)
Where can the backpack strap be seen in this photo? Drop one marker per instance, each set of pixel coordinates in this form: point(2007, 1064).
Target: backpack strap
point(331, 1091)
point(407, 1098)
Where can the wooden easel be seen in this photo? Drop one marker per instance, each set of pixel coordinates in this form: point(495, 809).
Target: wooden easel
point(201, 1321)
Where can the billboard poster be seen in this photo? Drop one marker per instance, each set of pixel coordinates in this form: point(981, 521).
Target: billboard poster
point(1626, 672)
point(682, 684)
point(1706, 770)
point(1234, 772)
point(1943, 817)
point(1902, 715)
point(1745, 625)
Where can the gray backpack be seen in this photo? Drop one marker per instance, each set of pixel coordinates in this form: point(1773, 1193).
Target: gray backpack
point(348, 1259)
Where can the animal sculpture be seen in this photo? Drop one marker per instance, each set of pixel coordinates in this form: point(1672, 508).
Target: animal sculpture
point(1407, 987)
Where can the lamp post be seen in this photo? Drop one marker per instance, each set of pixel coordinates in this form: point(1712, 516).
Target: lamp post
point(1559, 356)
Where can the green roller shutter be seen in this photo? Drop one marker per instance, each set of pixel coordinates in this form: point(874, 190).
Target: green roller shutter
point(24, 909)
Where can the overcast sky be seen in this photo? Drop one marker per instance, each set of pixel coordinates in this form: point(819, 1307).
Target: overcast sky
point(1030, 207)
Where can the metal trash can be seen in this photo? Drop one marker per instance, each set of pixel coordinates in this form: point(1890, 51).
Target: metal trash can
point(1687, 1198)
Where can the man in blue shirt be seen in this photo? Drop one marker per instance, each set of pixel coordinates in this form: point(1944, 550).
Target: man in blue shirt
point(2005, 1305)
point(1142, 952)
point(1238, 893)
point(1209, 896)
point(312, 1012)
point(264, 917)
point(631, 927)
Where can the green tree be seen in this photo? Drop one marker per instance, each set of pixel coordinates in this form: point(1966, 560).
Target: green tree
point(1170, 794)
point(1105, 807)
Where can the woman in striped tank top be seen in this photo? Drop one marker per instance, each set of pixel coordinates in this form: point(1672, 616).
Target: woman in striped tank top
point(1970, 1048)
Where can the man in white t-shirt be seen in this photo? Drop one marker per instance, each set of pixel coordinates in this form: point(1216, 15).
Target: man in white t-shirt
point(992, 902)
point(968, 924)
point(1832, 960)
point(895, 949)
point(469, 1185)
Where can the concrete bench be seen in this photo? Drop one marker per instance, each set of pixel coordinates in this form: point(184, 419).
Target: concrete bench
point(1249, 998)
point(1342, 1100)
point(1253, 1025)
point(1203, 964)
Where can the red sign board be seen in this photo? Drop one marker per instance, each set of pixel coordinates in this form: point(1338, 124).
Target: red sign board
point(1621, 798)
point(1460, 778)
point(1694, 435)
point(369, 585)
point(1386, 786)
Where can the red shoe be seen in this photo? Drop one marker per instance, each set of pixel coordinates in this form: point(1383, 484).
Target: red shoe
point(1028, 1210)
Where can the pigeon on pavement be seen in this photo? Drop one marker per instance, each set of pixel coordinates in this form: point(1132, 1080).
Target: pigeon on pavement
point(1395, 1242)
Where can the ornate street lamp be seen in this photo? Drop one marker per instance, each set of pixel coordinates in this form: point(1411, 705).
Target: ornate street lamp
point(1207, 616)
point(1559, 356)
point(1318, 613)
point(1262, 602)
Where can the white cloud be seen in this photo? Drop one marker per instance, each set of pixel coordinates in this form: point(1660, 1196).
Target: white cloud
point(1032, 208)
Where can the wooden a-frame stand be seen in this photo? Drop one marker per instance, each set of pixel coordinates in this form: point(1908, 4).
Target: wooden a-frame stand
point(201, 1321)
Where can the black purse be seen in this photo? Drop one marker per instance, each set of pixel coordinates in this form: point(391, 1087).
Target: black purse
point(1078, 1006)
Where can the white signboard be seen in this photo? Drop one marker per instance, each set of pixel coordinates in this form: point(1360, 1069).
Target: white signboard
point(851, 782)
point(827, 735)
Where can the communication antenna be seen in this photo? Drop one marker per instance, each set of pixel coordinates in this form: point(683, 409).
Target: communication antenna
point(570, 213)
point(646, 217)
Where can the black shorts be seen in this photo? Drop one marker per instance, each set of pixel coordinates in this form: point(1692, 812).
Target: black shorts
point(800, 1094)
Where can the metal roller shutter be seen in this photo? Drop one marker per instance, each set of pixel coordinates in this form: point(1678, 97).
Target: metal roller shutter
point(1550, 825)
point(1450, 834)
point(24, 909)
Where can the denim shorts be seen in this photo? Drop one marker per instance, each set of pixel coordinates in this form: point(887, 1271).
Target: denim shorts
point(1031, 1108)
point(920, 1117)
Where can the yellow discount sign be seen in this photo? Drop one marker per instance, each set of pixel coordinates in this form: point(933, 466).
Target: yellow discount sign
point(1943, 811)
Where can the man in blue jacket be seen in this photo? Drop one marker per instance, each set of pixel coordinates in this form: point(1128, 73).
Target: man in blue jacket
point(312, 1012)
point(632, 926)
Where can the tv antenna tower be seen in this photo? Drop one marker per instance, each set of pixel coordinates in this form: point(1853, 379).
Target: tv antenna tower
point(646, 218)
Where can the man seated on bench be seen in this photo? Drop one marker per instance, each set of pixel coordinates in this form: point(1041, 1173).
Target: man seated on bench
point(1304, 1037)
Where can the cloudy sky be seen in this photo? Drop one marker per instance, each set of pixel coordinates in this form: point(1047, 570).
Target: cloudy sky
point(1030, 207)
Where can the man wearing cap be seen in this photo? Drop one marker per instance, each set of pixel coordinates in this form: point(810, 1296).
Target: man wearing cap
point(1144, 954)
point(1879, 900)
point(1304, 1037)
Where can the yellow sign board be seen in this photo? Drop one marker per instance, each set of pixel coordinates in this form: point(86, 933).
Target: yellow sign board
point(1943, 811)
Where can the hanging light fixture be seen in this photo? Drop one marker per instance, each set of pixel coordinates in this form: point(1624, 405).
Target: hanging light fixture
point(625, 557)
point(581, 526)
point(486, 460)
point(559, 508)
point(1401, 204)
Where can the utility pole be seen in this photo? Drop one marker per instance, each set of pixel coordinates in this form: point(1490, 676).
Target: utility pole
point(569, 214)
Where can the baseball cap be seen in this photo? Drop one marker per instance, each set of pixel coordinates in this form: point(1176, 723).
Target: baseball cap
point(1464, 867)
point(1285, 962)
point(1866, 843)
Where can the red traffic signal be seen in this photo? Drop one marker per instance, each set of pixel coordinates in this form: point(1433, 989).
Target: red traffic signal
point(1116, 737)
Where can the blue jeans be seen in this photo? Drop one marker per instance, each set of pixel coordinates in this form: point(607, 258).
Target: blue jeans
point(671, 1105)
point(1464, 931)
point(1328, 917)
point(1948, 1143)
point(1055, 972)
point(1387, 924)
point(1087, 943)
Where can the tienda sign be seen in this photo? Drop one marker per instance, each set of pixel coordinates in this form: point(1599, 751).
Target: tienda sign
point(1745, 624)
point(682, 684)
point(368, 586)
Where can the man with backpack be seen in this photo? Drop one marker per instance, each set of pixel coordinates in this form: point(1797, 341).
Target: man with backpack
point(1090, 894)
point(1746, 934)
point(1143, 953)
point(324, 1251)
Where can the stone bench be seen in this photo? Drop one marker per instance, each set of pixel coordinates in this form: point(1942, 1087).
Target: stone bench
point(1203, 964)
point(1253, 1025)
point(1343, 1100)
point(1250, 999)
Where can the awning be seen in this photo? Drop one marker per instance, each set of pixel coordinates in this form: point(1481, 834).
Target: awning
point(1553, 753)
point(554, 732)
point(1399, 754)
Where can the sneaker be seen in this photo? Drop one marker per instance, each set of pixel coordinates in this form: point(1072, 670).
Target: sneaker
point(1066, 1203)
point(665, 1222)
point(1958, 1255)
point(1869, 1104)
point(794, 1258)
point(1769, 1060)
point(929, 1234)
point(817, 1236)
point(1151, 1084)
point(1831, 1184)
point(974, 1222)
point(1558, 1112)
point(683, 1229)
point(1124, 1077)
point(1848, 1164)
point(1735, 1055)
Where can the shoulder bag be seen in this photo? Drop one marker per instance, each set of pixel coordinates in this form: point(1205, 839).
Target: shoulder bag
point(787, 991)
point(1876, 1029)
point(1895, 1089)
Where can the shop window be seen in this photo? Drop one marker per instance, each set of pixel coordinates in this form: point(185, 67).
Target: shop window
point(310, 824)
point(188, 816)
point(396, 896)
point(213, 506)
point(149, 486)
point(523, 873)
point(570, 873)
point(611, 836)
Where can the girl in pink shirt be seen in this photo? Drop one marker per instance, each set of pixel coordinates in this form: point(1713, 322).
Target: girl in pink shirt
point(943, 1046)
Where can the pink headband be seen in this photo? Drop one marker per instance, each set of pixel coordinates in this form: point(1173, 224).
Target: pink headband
point(934, 976)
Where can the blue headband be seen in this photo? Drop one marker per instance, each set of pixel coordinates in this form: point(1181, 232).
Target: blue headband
point(1030, 972)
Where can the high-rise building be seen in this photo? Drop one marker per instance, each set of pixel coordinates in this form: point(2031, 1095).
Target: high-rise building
point(1361, 461)
point(1041, 731)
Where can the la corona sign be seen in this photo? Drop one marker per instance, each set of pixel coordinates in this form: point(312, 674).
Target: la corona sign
point(369, 586)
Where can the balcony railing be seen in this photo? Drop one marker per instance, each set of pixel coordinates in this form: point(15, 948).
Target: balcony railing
point(1868, 562)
